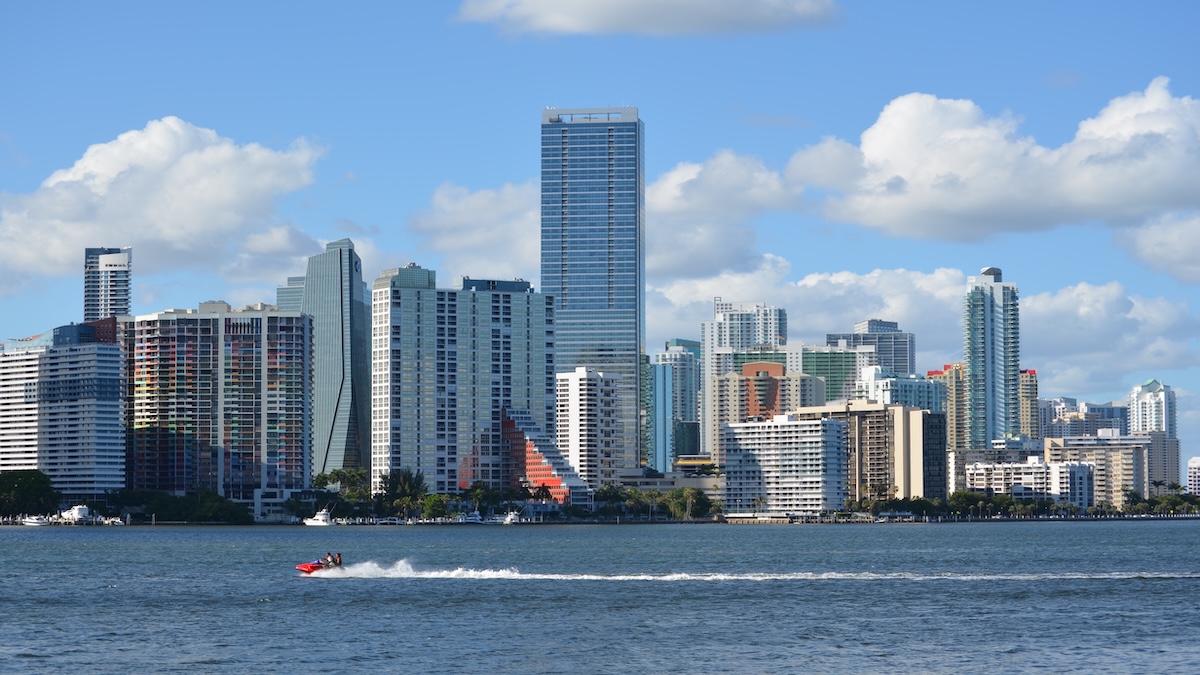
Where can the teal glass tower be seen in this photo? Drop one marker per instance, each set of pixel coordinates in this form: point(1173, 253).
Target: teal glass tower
point(992, 353)
point(333, 293)
point(593, 250)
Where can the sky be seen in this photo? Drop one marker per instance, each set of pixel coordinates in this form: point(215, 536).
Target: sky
point(841, 159)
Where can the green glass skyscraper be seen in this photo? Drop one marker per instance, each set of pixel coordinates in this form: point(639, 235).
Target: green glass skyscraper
point(593, 250)
point(334, 294)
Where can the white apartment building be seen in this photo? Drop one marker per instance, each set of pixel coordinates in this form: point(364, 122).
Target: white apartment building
point(62, 411)
point(881, 386)
point(760, 390)
point(1067, 482)
point(588, 426)
point(785, 465)
point(446, 364)
point(1193, 476)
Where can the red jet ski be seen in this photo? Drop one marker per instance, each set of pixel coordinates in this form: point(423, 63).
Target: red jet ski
point(310, 567)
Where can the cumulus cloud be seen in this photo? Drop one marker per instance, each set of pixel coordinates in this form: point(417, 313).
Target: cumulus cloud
point(941, 168)
point(649, 17)
point(696, 214)
point(181, 195)
point(1086, 337)
point(1169, 244)
point(485, 234)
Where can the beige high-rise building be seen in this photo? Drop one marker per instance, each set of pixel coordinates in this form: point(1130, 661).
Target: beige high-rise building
point(953, 375)
point(1027, 401)
point(1120, 462)
point(895, 451)
point(761, 390)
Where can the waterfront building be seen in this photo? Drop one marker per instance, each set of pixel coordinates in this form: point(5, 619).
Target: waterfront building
point(332, 292)
point(1080, 423)
point(753, 329)
point(1193, 476)
point(540, 464)
point(785, 465)
point(991, 351)
point(952, 377)
point(1120, 462)
point(760, 390)
point(1065, 482)
point(882, 386)
point(219, 400)
point(446, 364)
point(1002, 451)
point(588, 420)
point(894, 450)
point(593, 258)
point(62, 410)
point(107, 282)
point(895, 350)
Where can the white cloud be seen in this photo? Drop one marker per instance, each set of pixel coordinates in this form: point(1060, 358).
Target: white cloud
point(181, 195)
point(494, 234)
point(942, 168)
point(696, 215)
point(1169, 244)
point(1087, 338)
point(649, 17)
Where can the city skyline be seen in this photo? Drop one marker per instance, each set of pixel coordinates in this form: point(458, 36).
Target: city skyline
point(821, 163)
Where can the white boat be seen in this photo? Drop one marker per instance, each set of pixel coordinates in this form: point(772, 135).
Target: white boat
point(473, 518)
point(512, 518)
point(321, 519)
point(76, 514)
point(35, 521)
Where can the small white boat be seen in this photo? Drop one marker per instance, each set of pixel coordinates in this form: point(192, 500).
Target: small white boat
point(473, 518)
point(35, 521)
point(321, 519)
point(512, 518)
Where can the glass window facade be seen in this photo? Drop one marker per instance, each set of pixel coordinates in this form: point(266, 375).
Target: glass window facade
point(593, 249)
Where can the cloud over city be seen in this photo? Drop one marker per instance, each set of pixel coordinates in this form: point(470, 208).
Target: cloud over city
point(181, 195)
point(649, 17)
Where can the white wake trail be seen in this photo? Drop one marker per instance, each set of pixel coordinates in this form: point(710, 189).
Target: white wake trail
point(403, 569)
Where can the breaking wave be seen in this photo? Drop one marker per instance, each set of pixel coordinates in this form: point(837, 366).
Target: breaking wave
point(403, 569)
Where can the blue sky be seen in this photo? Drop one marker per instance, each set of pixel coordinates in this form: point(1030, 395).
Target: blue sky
point(844, 160)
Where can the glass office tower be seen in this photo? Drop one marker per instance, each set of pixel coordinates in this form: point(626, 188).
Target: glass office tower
point(333, 293)
point(593, 249)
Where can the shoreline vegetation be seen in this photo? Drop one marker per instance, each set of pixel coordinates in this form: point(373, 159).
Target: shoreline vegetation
point(404, 500)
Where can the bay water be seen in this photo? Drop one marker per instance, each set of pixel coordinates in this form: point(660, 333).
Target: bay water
point(1048, 596)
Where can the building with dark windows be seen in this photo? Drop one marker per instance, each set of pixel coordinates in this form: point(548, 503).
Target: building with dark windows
point(107, 276)
point(334, 295)
point(593, 251)
point(895, 350)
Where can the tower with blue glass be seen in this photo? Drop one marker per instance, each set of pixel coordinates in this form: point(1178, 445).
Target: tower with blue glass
point(593, 250)
point(333, 293)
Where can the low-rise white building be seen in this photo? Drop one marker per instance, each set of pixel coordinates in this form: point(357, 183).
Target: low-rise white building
point(1065, 482)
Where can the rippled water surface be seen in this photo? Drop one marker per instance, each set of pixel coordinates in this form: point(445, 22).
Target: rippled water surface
point(1079, 597)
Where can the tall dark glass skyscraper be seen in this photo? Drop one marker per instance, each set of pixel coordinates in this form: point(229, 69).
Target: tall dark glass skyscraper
point(593, 250)
point(334, 294)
